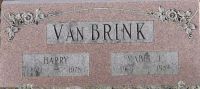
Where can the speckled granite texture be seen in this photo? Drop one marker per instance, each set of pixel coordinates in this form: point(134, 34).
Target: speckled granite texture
point(168, 36)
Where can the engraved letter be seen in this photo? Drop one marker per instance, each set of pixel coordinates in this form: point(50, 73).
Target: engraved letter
point(128, 32)
point(95, 27)
point(46, 61)
point(79, 33)
point(107, 32)
point(70, 34)
point(139, 30)
point(58, 34)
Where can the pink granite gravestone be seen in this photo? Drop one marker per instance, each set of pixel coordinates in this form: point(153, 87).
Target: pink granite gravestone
point(98, 42)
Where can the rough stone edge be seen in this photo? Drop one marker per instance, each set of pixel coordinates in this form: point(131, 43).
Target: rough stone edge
point(179, 85)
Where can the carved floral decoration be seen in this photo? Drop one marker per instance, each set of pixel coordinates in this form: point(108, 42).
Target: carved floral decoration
point(183, 18)
point(26, 86)
point(17, 20)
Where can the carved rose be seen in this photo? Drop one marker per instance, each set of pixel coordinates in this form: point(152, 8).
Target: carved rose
point(16, 20)
point(19, 19)
point(11, 32)
point(172, 15)
point(28, 18)
point(184, 17)
point(180, 17)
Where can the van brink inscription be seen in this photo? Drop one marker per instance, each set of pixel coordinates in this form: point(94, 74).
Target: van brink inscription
point(56, 65)
point(144, 63)
point(100, 32)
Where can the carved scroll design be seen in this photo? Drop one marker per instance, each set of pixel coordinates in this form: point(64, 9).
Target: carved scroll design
point(183, 18)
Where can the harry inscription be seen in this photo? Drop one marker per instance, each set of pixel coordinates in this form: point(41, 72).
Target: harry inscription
point(100, 32)
point(144, 63)
point(56, 65)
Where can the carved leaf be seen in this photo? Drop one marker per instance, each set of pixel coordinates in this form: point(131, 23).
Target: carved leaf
point(161, 9)
point(192, 26)
point(188, 13)
point(188, 31)
point(11, 32)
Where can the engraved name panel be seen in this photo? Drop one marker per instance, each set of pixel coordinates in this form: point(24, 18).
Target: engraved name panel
point(100, 32)
point(55, 65)
point(144, 63)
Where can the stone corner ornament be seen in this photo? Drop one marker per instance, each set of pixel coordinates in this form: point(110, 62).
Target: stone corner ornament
point(182, 18)
point(16, 20)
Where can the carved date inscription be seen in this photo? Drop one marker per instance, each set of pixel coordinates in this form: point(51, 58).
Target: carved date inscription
point(144, 63)
point(55, 65)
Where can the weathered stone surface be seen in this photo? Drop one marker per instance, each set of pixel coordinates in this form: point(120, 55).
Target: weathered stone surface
point(74, 1)
point(177, 86)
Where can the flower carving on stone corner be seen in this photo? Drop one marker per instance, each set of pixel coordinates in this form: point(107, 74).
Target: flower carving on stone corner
point(183, 18)
point(11, 31)
point(20, 19)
